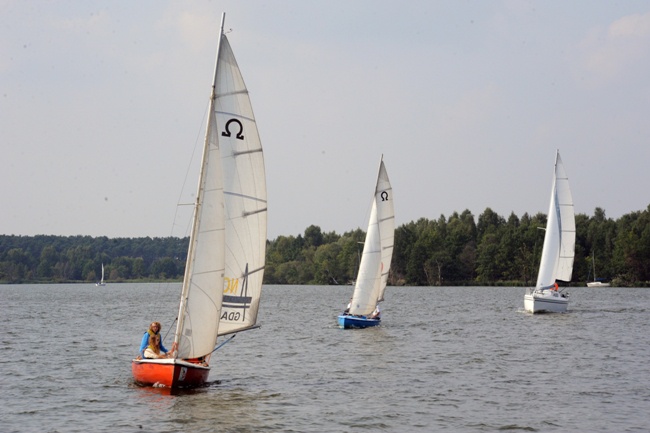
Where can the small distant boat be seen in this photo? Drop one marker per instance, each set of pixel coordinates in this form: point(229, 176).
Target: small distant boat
point(101, 282)
point(226, 256)
point(596, 282)
point(372, 276)
point(558, 251)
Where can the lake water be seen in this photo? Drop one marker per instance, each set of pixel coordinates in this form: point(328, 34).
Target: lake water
point(465, 359)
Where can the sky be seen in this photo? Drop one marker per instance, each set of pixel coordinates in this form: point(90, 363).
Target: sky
point(103, 105)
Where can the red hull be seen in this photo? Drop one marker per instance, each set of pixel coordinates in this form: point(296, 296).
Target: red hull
point(171, 373)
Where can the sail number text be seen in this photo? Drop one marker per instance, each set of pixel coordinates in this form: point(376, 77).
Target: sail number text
point(232, 316)
point(231, 286)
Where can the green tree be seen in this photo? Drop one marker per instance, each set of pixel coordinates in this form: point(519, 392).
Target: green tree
point(49, 258)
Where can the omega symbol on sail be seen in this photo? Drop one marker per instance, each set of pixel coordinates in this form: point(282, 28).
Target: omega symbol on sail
point(239, 135)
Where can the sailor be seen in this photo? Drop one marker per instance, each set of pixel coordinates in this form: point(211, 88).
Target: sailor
point(347, 309)
point(154, 329)
point(153, 350)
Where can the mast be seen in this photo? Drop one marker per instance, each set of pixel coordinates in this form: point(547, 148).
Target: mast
point(191, 254)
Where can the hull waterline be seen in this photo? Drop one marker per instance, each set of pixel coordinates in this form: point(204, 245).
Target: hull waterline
point(597, 284)
point(350, 322)
point(170, 373)
point(548, 301)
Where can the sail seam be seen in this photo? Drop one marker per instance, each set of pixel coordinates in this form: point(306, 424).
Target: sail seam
point(237, 92)
point(236, 115)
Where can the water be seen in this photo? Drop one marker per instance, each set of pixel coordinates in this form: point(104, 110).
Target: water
point(445, 359)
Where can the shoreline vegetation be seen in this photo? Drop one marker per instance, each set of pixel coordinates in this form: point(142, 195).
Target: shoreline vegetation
point(459, 250)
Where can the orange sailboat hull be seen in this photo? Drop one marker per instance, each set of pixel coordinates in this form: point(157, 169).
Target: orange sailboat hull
point(170, 373)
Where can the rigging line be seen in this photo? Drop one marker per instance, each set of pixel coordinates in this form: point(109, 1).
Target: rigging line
point(187, 171)
point(219, 346)
point(170, 327)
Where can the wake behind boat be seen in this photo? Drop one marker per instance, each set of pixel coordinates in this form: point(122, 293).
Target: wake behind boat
point(372, 277)
point(558, 251)
point(225, 261)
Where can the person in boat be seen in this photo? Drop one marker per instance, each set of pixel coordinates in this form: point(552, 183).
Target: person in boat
point(153, 350)
point(154, 329)
point(347, 309)
point(375, 314)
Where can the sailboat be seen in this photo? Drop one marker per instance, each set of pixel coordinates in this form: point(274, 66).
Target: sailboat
point(558, 250)
point(372, 277)
point(225, 261)
point(101, 282)
point(596, 282)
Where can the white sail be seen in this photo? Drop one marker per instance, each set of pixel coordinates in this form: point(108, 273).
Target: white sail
point(559, 241)
point(101, 281)
point(376, 257)
point(200, 307)
point(245, 196)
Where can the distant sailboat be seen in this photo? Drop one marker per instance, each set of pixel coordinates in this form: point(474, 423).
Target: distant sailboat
point(558, 251)
point(596, 282)
point(101, 282)
point(225, 261)
point(372, 278)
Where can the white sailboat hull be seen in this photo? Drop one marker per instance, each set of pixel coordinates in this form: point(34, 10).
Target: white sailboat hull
point(598, 284)
point(545, 301)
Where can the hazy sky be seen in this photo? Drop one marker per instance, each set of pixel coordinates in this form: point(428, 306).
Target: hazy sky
point(103, 108)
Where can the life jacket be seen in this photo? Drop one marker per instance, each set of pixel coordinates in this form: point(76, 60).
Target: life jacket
point(155, 349)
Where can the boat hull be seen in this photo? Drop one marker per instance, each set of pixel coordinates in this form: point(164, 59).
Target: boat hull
point(350, 322)
point(597, 284)
point(170, 373)
point(546, 301)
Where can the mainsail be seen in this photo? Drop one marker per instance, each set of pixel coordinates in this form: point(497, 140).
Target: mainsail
point(245, 197)
point(377, 249)
point(559, 241)
point(386, 219)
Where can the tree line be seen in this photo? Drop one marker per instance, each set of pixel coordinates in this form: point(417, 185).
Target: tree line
point(455, 250)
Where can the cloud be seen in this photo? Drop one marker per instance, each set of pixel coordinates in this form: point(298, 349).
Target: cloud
point(631, 26)
point(608, 55)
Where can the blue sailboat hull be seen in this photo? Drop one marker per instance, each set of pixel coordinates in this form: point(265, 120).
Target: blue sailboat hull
point(348, 322)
